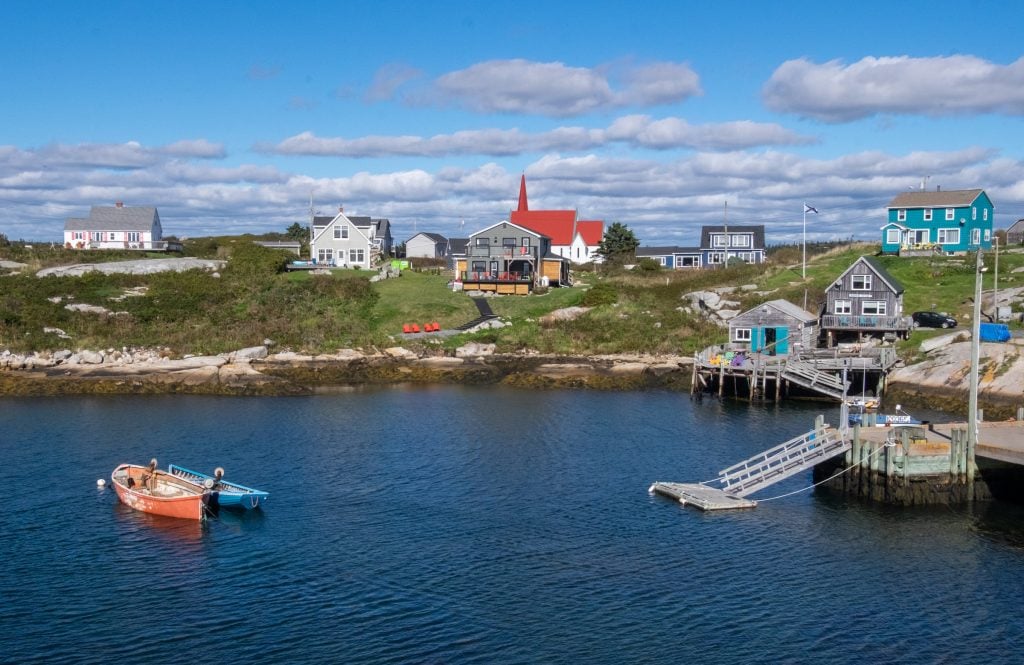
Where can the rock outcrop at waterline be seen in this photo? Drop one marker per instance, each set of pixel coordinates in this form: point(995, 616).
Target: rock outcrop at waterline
point(255, 371)
point(941, 380)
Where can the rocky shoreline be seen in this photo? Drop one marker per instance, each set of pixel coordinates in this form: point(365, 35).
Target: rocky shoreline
point(254, 371)
point(938, 379)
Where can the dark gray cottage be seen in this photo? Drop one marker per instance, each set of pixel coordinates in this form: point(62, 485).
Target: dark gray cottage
point(865, 301)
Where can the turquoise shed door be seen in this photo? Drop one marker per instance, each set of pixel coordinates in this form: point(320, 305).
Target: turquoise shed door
point(782, 339)
point(756, 339)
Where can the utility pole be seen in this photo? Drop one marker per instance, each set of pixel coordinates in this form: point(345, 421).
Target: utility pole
point(995, 283)
point(725, 231)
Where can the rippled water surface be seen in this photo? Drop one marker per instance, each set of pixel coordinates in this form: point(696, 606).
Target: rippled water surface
point(448, 525)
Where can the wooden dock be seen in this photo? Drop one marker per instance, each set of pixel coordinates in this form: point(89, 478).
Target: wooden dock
point(701, 496)
point(813, 373)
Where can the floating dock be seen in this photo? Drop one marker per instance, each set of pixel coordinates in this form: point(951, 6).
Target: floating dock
point(702, 496)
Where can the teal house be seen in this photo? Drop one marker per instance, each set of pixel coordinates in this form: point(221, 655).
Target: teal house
point(951, 222)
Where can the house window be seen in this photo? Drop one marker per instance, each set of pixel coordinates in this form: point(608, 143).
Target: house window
point(741, 335)
point(901, 215)
point(974, 213)
point(355, 256)
point(341, 232)
point(78, 235)
point(718, 240)
point(526, 242)
point(975, 236)
point(873, 307)
point(715, 257)
point(133, 236)
point(861, 283)
point(661, 260)
point(892, 237)
point(479, 266)
point(741, 240)
point(325, 256)
point(508, 243)
point(927, 214)
point(843, 307)
point(482, 242)
point(984, 215)
point(113, 236)
point(688, 262)
point(988, 235)
point(96, 236)
point(950, 214)
point(949, 236)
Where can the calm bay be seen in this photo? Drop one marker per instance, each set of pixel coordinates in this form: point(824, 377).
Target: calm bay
point(476, 525)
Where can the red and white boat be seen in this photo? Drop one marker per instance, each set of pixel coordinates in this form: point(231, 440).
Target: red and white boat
point(151, 490)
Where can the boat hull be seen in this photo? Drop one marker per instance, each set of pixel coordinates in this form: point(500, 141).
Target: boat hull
point(171, 501)
point(224, 494)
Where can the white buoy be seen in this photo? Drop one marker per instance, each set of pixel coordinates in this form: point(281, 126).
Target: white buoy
point(101, 483)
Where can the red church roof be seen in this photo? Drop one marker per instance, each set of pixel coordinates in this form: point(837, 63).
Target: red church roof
point(591, 230)
point(555, 224)
point(559, 225)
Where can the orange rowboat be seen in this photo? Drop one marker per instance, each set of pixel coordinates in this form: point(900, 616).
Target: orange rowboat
point(151, 490)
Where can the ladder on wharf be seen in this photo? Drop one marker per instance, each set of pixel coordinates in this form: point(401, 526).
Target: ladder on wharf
point(732, 486)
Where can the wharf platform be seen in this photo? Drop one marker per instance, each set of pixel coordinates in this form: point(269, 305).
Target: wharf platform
point(1002, 441)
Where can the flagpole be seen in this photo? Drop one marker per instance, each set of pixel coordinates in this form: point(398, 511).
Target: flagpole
point(803, 265)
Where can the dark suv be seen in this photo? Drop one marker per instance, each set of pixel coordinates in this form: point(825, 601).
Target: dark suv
point(933, 320)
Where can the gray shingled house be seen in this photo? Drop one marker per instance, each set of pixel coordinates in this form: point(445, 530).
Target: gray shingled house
point(117, 227)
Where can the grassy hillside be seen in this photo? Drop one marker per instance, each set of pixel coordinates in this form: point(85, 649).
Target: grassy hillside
point(252, 300)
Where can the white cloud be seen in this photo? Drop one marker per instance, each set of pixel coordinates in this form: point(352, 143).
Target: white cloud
point(637, 131)
point(664, 201)
point(938, 86)
point(389, 79)
point(555, 89)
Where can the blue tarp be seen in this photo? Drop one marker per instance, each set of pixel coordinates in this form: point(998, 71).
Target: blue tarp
point(994, 332)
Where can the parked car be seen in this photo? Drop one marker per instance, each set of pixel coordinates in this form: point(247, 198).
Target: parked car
point(933, 320)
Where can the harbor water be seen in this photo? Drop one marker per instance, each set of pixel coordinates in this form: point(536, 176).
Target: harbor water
point(485, 525)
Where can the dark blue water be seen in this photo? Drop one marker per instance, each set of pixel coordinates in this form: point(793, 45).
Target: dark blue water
point(449, 525)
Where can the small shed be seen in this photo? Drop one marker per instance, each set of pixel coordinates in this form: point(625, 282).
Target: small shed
point(777, 327)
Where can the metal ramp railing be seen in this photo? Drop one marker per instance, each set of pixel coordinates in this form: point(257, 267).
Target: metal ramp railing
point(807, 375)
point(784, 460)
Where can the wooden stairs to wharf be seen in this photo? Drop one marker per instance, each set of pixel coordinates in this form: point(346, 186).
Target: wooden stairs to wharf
point(732, 486)
point(807, 375)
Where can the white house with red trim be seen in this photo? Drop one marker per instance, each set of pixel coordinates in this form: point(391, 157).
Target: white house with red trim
point(571, 237)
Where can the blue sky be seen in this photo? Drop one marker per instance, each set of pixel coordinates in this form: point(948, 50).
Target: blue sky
point(229, 116)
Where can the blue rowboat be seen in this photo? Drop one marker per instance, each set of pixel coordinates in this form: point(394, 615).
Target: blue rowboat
point(222, 493)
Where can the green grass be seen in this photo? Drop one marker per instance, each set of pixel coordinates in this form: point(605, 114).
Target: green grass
point(632, 312)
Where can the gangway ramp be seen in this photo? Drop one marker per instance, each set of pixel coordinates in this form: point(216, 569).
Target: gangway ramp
point(807, 375)
point(732, 486)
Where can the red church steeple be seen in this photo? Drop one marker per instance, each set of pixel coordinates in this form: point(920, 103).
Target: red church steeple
point(523, 207)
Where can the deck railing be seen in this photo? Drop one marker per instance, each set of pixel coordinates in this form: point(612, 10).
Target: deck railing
point(865, 322)
point(495, 277)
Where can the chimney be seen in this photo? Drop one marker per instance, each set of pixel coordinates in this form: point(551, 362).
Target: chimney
point(119, 204)
point(341, 208)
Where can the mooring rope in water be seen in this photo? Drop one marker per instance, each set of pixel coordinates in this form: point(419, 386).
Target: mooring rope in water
point(888, 443)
